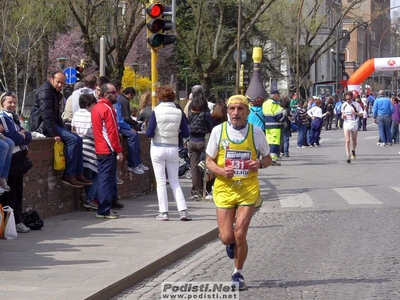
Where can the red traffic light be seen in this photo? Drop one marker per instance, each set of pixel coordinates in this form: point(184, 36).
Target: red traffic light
point(155, 10)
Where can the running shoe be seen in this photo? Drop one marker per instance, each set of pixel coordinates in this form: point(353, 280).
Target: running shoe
point(238, 281)
point(230, 250)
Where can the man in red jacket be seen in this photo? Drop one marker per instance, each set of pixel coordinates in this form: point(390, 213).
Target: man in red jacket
point(108, 149)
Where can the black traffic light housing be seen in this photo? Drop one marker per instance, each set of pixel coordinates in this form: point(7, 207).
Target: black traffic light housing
point(156, 26)
point(79, 72)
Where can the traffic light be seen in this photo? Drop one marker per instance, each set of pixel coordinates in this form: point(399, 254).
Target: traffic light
point(79, 72)
point(156, 26)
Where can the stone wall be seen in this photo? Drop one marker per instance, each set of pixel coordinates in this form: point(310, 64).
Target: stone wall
point(44, 191)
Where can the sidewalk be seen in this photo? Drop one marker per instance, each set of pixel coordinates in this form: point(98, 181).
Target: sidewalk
point(76, 256)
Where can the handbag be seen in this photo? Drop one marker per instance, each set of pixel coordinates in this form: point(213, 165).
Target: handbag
point(32, 220)
point(10, 230)
point(59, 158)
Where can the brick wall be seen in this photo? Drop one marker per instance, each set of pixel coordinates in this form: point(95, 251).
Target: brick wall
point(44, 191)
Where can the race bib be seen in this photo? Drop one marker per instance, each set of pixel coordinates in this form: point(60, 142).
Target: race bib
point(239, 159)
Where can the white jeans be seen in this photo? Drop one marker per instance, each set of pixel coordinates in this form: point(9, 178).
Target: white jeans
point(161, 158)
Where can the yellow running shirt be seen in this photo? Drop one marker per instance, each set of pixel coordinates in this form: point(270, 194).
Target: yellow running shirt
point(243, 188)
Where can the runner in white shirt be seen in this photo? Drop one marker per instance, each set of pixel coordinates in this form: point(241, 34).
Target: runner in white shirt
point(351, 111)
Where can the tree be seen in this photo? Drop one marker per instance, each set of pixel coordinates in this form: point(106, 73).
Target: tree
point(23, 26)
point(119, 22)
point(305, 30)
point(207, 34)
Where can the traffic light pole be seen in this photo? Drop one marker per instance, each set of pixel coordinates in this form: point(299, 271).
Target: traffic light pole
point(154, 76)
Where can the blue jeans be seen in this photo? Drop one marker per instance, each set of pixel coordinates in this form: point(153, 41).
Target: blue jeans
point(73, 152)
point(286, 137)
point(107, 183)
point(6, 152)
point(384, 124)
point(395, 132)
point(133, 147)
point(301, 138)
point(91, 190)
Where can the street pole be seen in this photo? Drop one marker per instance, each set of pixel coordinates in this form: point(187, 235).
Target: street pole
point(239, 54)
point(298, 51)
point(135, 68)
point(186, 81)
point(154, 76)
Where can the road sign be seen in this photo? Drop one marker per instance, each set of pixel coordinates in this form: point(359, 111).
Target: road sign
point(70, 75)
point(243, 56)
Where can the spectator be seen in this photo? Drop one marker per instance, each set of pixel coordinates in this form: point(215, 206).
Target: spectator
point(196, 90)
point(371, 101)
point(20, 138)
point(256, 116)
point(46, 119)
point(200, 124)
point(302, 123)
point(90, 87)
point(82, 125)
point(99, 82)
point(108, 149)
point(395, 120)
point(316, 122)
point(166, 124)
point(338, 113)
point(286, 128)
point(329, 117)
point(134, 113)
point(128, 128)
point(294, 102)
point(145, 108)
point(382, 113)
point(219, 113)
point(68, 114)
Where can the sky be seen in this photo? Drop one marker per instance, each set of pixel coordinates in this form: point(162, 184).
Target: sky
point(395, 3)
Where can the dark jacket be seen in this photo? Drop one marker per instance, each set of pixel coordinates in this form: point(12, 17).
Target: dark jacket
point(200, 124)
point(46, 113)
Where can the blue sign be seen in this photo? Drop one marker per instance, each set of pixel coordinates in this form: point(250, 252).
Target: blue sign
point(70, 75)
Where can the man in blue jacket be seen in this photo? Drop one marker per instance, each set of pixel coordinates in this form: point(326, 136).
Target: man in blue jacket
point(382, 114)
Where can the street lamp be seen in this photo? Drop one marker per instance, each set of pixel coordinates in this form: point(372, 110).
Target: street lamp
point(185, 71)
point(62, 61)
point(135, 67)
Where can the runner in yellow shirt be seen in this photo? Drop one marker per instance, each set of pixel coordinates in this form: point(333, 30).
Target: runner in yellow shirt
point(232, 155)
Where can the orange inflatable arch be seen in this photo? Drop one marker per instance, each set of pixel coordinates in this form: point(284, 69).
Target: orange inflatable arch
point(369, 67)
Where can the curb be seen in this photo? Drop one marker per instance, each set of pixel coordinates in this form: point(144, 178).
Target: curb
point(163, 262)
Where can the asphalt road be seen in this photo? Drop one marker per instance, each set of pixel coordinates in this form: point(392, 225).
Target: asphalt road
point(327, 229)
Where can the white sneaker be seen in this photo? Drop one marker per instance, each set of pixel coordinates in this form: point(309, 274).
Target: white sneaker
point(143, 167)
point(136, 170)
point(22, 228)
point(162, 217)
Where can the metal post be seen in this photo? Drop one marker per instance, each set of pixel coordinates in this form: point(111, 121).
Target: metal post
point(102, 56)
point(154, 77)
point(298, 51)
point(239, 54)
